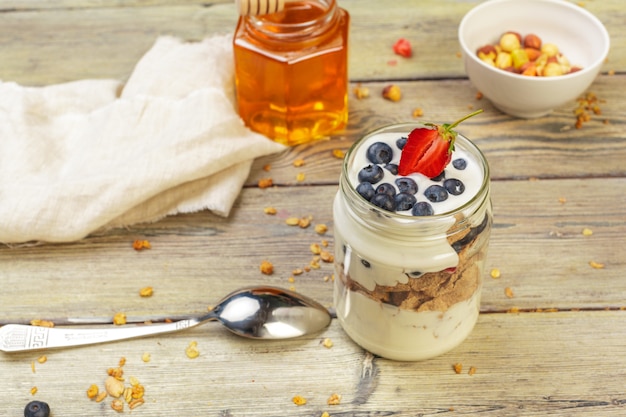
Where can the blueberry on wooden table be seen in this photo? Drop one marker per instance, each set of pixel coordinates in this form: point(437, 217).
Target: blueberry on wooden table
point(36, 409)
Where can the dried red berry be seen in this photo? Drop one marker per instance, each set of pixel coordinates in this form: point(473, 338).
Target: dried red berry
point(403, 48)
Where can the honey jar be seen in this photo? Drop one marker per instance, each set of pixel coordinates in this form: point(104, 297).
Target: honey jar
point(291, 71)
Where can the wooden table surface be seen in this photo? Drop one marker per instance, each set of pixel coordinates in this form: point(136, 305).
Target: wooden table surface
point(556, 347)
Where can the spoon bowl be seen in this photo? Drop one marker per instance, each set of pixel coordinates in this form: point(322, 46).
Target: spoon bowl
point(269, 313)
point(251, 312)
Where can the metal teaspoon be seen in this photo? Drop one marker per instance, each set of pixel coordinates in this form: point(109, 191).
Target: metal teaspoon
point(253, 312)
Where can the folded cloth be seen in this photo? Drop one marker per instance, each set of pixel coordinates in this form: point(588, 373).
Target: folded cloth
point(89, 155)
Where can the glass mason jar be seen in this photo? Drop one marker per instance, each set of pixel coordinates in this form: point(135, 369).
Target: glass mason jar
point(407, 287)
point(291, 71)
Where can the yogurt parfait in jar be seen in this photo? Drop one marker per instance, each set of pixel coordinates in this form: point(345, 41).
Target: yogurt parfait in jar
point(412, 219)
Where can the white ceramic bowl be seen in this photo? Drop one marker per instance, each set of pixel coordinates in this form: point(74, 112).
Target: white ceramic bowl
point(580, 36)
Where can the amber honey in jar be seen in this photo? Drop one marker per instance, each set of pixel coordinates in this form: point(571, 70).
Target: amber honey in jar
point(291, 71)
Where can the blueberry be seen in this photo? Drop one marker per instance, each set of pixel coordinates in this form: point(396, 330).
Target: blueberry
point(423, 209)
point(384, 201)
point(400, 143)
point(366, 190)
point(386, 188)
point(414, 274)
point(468, 238)
point(439, 177)
point(379, 153)
point(436, 193)
point(454, 186)
point(36, 409)
point(393, 168)
point(404, 201)
point(406, 185)
point(371, 173)
point(459, 164)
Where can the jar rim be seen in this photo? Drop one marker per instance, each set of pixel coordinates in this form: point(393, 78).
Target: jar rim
point(406, 127)
point(287, 30)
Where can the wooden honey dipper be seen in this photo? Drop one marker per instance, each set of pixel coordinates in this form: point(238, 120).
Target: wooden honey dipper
point(258, 7)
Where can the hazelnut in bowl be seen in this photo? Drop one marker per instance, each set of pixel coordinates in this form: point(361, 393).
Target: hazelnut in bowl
point(530, 57)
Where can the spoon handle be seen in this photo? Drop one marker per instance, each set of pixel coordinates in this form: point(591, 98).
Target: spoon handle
point(20, 337)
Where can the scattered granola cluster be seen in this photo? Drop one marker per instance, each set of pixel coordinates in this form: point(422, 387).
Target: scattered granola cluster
point(191, 350)
point(299, 400)
point(327, 343)
point(141, 244)
point(265, 183)
point(119, 319)
point(146, 292)
point(320, 249)
point(267, 268)
point(596, 265)
point(458, 368)
point(334, 399)
point(41, 323)
point(124, 394)
point(588, 105)
point(508, 291)
point(392, 93)
point(339, 153)
point(361, 92)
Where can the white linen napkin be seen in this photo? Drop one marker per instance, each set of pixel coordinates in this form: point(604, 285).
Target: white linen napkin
point(83, 156)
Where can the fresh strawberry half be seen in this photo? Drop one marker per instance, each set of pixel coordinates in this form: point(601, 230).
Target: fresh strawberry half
point(428, 149)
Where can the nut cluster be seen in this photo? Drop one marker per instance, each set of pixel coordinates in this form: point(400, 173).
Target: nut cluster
point(115, 387)
point(526, 55)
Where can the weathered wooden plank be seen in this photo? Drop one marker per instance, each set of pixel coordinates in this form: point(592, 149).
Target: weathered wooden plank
point(50, 42)
point(537, 243)
point(59, 45)
point(547, 147)
point(531, 364)
point(568, 362)
point(18, 5)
